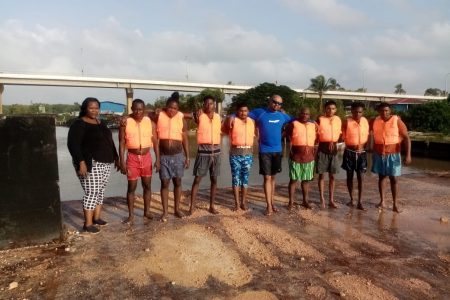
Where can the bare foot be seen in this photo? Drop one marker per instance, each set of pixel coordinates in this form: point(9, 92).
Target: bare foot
point(244, 206)
point(322, 204)
point(380, 205)
point(128, 221)
point(191, 211)
point(360, 207)
point(213, 210)
point(268, 212)
point(163, 218)
point(179, 214)
point(332, 205)
point(274, 208)
point(290, 206)
point(148, 216)
point(235, 208)
point(350, 204)
point(396, 210)
point(306, 205)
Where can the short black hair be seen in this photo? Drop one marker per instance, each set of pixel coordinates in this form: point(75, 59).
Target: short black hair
point(329, 102)
point(383, 105)
point(84, 105)
point(358, 104)
point(207, 97)
point(240, 105)
point(138, 101)
point(175, 97)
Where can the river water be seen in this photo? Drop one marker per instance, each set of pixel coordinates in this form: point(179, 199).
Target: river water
point(70, 188)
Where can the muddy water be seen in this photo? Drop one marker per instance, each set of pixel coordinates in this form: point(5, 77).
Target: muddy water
point(70, 188)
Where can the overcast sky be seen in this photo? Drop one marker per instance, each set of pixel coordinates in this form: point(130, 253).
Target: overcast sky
point(376, 43)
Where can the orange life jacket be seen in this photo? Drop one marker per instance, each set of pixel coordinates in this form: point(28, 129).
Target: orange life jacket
point(356, 133)
point(208, 130)
point(329, 129)
point(138, 135)
point(242, 133)
point(303, 134)
point(386, 132)
point(170, 128)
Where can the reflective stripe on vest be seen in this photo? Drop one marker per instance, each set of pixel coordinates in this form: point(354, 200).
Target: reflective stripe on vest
point(208, 130)
point(138, 135)
point(242, 133)
point(303, 134)
point(329, 129)
point(170, 128)
point(386, 132)
point(356, 133)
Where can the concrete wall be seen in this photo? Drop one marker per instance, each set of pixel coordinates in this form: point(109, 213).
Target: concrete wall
point(30, 208)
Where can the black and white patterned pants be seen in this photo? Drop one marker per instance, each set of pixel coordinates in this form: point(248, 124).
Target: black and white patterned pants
point(94, 184)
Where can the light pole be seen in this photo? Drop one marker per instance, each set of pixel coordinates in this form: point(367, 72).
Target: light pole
point(363, 80)
point(446, 86)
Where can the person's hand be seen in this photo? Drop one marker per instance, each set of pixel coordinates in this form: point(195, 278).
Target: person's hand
point(123, 168)
point(407, 160)
point(83, 169)
point(230, 122)
point(331, 147)
point(187, 161)
point(157, 165)
point(117, 165)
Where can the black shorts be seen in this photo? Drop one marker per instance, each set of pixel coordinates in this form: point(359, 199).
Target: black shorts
point(205, 163)
point(327, 163)
point(354, 161)
point(270, 163)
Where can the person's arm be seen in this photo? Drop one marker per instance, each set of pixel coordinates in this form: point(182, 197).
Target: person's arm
point(288, 131)
point(343, 130)
point(74, 141)
point(185, 142)
point(403, 132)
point(122, 147)
point(370, 140)
point(155, 143)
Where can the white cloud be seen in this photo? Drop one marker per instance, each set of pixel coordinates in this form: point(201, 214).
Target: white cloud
point(330, 11)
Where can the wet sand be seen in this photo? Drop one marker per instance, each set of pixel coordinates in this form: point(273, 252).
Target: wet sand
point(301, 254)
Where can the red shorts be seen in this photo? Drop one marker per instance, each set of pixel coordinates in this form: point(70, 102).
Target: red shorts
point(139, 166)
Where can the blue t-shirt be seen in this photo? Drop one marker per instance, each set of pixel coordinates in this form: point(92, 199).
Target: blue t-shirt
point(269, 123)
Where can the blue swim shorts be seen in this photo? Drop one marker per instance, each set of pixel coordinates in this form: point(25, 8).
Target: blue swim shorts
point(387, 165)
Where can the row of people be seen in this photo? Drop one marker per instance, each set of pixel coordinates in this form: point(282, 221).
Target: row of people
point(313, 150)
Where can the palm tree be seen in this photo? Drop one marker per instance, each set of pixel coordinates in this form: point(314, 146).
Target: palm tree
point(399, 89)
point(320, 85)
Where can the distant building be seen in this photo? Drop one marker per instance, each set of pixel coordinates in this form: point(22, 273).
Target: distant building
point(109, 108)
point(404, 104)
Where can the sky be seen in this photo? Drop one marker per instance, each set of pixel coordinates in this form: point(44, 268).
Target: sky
point(361, 43)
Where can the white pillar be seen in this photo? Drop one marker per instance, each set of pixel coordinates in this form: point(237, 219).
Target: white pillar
point(2, 88)
point(129, 93)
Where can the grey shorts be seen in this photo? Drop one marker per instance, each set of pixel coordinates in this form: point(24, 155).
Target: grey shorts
point(172, 166)
point(327, 163)
point(205, 163)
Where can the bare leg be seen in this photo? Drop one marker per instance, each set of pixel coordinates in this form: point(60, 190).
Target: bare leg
point(360, 177)
point(268, 193)
point(331, 191)
point(274, 208)
point(164, 198)
point(305, 193)
point(194, 192)
point(244, 204)
point(321, 186)
point(130, 201)
point(381, 180)
point(394, 191)
point(97, 212)
point(236, 198)
point(292, 186)
point(88, 215)
point(147, 188)
point(350, 186)
point(212, 195)
point(177, 197)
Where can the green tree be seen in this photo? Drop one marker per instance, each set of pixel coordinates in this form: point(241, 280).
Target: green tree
point(399, 89)
point(434, 92)
point(430, 117)
point(259, 95)
point(320, 85)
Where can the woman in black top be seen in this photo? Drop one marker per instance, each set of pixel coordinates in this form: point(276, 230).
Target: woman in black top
point(93, 152)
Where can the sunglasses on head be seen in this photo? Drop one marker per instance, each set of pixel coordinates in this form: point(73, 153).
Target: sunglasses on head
point(277, 103)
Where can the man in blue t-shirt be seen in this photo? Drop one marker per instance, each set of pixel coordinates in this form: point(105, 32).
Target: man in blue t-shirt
point(270, 122)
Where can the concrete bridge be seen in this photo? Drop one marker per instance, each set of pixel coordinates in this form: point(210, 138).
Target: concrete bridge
point(130, 84)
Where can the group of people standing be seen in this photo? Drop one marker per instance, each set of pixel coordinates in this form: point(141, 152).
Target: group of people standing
point(314, 149)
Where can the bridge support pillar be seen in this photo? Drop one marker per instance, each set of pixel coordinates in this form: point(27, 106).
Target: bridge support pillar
point(2, 88)
point(129, 92)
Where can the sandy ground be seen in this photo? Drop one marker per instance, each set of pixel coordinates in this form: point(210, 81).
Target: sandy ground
point(302, 254)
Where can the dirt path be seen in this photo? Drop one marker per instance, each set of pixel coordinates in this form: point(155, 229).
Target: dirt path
point(303, 254)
